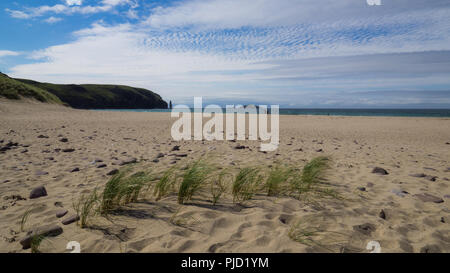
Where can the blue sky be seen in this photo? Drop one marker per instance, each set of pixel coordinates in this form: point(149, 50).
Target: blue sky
point(296, 53)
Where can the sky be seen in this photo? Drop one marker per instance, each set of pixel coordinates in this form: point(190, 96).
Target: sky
point(294, 53)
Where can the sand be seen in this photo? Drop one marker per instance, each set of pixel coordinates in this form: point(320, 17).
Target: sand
point(404, 146)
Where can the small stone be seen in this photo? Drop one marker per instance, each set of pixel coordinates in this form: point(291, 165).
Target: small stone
point(239, 147)
point(64, 139)
point(101, 166)
point(58, 204)
point(42, 136)
point(365, 229)
point(75, 170)
point(160, 155)
point(46, 231)
point(155, 160)
point(176, 148)
point(382, 215)
point(319, 150)
point(69, 150)
point(127, 161)
point(442, 220)
point(426, 197)
point(380, 171)
point(400, 192)
point(113, 172)
point(361, 188)
point(38, 192)
point(70, 219)
point(61, 213)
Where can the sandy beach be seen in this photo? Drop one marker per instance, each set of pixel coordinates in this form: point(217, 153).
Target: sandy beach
point(70, 152)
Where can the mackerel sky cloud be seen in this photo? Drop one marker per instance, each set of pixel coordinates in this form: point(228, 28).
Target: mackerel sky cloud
point(296, 53)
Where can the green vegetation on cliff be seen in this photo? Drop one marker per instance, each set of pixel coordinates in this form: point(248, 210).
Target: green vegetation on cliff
point(85, 96)
point(15, 90)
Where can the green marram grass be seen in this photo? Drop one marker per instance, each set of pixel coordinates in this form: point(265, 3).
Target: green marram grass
point(312, 174)
point(165, 185)
point(122, 189)
point(194, 178)
point(86, 207)
point(246, 184)
point(278, 178)
point(219, 186)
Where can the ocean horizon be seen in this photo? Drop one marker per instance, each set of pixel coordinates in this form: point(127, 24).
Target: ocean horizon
point(335, 112)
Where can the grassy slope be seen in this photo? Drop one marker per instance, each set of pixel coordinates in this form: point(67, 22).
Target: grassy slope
point(93, 96)
point(13, 89)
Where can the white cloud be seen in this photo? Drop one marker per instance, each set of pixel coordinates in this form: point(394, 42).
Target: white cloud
point(52, 20)
point(4, 53)
point(74, 2)
point(70, 7)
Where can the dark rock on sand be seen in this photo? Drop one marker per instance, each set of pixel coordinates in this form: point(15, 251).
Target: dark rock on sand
point(61, 213)
point(422, 175)
point(58, 204)
point(69, 150)
point(239, 147)
point(176, 148)
point(160, 155)
point(113, 172)
point(41, 173)
point(365, 229)
point(46, 231)
point(75, 170)
point(400, 192)
point(64, 139)
point(38, 192)
point(127, 161)
point(101, 166)
point(382, 215)
point(361, 188)
point(42, 136)
point(426, 197)
point(155, 160)
point(379, 170)
point(70, 219)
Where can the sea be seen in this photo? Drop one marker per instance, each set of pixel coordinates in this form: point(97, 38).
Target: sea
point(337, 112)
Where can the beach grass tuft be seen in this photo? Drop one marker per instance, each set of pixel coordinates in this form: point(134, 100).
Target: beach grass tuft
point(246, 184)
point(279, 176)
point(194, 178)
point(166, 184)
point(86, 207)
point(35, 243)
point(24, 219)
point(312, 174)
point(122, 189)
point(219, 186)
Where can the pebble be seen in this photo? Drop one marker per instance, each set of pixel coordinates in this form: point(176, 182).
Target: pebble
point(382, 215)
point(70, 219)
point(113, 172)
point(75, 170)
point(69, 150)
point(61, 213)
point(379, 170)
point(38, 192)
